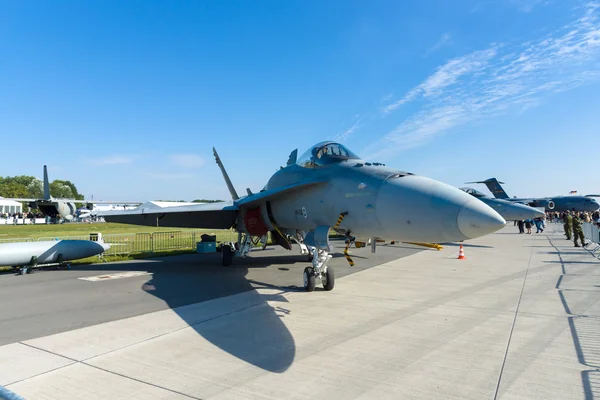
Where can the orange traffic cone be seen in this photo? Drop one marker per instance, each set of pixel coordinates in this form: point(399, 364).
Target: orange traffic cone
point(461, 254)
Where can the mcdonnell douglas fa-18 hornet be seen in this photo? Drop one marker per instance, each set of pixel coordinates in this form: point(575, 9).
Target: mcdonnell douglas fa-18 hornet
point(556, 203)
point(330, 187)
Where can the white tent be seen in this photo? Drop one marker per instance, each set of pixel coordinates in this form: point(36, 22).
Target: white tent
point(10, 206)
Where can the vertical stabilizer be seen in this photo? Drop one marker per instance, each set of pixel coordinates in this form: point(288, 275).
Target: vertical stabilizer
point(46, 184)
point(234, 194)
point(494, 186)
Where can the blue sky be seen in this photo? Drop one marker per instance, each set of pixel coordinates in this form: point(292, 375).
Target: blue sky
point(127, 99)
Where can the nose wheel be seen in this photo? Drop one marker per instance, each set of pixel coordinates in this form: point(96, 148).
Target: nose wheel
point(319, 270)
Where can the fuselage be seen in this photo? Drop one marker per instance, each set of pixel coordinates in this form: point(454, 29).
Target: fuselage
point(380, 202)
point(16, 254)
point(562, 203)
point(54, 208)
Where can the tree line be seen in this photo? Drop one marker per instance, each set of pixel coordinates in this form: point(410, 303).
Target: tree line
point(24, 186)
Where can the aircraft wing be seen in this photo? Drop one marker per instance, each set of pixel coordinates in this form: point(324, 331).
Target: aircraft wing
point(219, 215)
point(104, 202)
point(18, 199)
point(271, 193)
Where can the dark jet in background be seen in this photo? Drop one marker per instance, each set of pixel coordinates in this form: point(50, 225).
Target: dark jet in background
point(510, 211)
point(556, 203)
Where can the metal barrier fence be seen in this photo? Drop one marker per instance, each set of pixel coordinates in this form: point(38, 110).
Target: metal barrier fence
point(139, 243)
point(591, 232)
point(14, 240)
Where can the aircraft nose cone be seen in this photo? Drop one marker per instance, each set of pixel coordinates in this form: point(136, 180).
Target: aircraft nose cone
point(476, 219)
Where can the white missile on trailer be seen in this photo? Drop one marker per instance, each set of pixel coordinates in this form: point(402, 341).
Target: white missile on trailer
point(48, 252)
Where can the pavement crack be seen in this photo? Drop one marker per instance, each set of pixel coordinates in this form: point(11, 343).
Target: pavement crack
point(74, 361)
point(141, 381)
point(512, 328)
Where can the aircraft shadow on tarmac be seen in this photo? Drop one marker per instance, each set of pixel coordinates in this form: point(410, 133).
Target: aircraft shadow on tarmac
point(258, 335)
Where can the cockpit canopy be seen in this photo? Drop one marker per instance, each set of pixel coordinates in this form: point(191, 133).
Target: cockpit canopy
point(325, 153)
point(473, 192)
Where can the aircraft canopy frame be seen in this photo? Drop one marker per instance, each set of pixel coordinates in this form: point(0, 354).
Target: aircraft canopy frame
point(325, 153)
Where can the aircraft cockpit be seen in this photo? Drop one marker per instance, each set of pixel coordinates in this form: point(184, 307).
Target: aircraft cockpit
point(325, 153)
point(473, 192)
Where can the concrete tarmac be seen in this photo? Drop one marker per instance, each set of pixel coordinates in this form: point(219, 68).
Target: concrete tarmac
point(53, 301)
point(518, 319)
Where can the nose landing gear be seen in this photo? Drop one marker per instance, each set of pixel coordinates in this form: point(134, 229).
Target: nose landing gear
point(319, 270)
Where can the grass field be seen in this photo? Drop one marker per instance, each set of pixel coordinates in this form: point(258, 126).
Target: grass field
point(62, 231)
point(69, 229)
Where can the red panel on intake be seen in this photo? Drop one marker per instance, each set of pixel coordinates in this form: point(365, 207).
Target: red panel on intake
point(254, 223)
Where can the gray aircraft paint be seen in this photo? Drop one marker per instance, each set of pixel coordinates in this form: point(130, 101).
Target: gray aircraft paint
point(380, 202)
point(20, 253)
point(556, 203)
point(509, 211)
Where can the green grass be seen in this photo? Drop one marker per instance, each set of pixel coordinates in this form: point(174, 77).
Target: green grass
point(68, 229)
point(163, 246)
point(180, 242)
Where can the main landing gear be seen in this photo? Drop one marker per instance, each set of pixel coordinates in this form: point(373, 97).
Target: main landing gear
point(319, 270)
point(242, 248)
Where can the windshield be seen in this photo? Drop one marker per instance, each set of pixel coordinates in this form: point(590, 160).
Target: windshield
point(473, 192)
point(325, 153)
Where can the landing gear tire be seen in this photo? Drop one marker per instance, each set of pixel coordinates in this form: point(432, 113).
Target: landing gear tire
point(309, 279)
point(226, 255)
point(328, 279)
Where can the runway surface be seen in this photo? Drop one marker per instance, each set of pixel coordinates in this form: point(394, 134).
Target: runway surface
point(517, 319)
point(48, 302)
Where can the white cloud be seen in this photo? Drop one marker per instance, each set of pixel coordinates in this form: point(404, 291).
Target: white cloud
point(344, 135)
point(186, 160)
point(110, 160)
point(495, 81)
point(447, 75)
point(444, 40)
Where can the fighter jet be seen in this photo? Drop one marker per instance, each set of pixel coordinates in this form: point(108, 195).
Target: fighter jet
point(509, 211)
point(65, 208)
point(330, 187)
point(557, 203)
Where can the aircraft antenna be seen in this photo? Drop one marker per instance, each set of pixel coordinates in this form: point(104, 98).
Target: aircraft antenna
point(234, 194)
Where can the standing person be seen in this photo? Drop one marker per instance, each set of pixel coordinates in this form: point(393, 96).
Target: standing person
point(521, 226)
point(578, 230)
point(568, 224)
point(538, 225)
point(528, 222)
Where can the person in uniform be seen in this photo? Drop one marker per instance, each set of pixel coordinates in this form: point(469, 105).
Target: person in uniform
point(578, 230)
point(568, 224)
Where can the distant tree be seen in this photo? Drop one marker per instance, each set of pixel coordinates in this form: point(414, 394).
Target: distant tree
point(206, 201)
point(36, 189)
point(13, 189)
point(61, 187)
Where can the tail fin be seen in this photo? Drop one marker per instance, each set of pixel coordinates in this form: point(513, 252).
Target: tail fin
point(46, 184)
point(494, 186)
point(234, 194)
